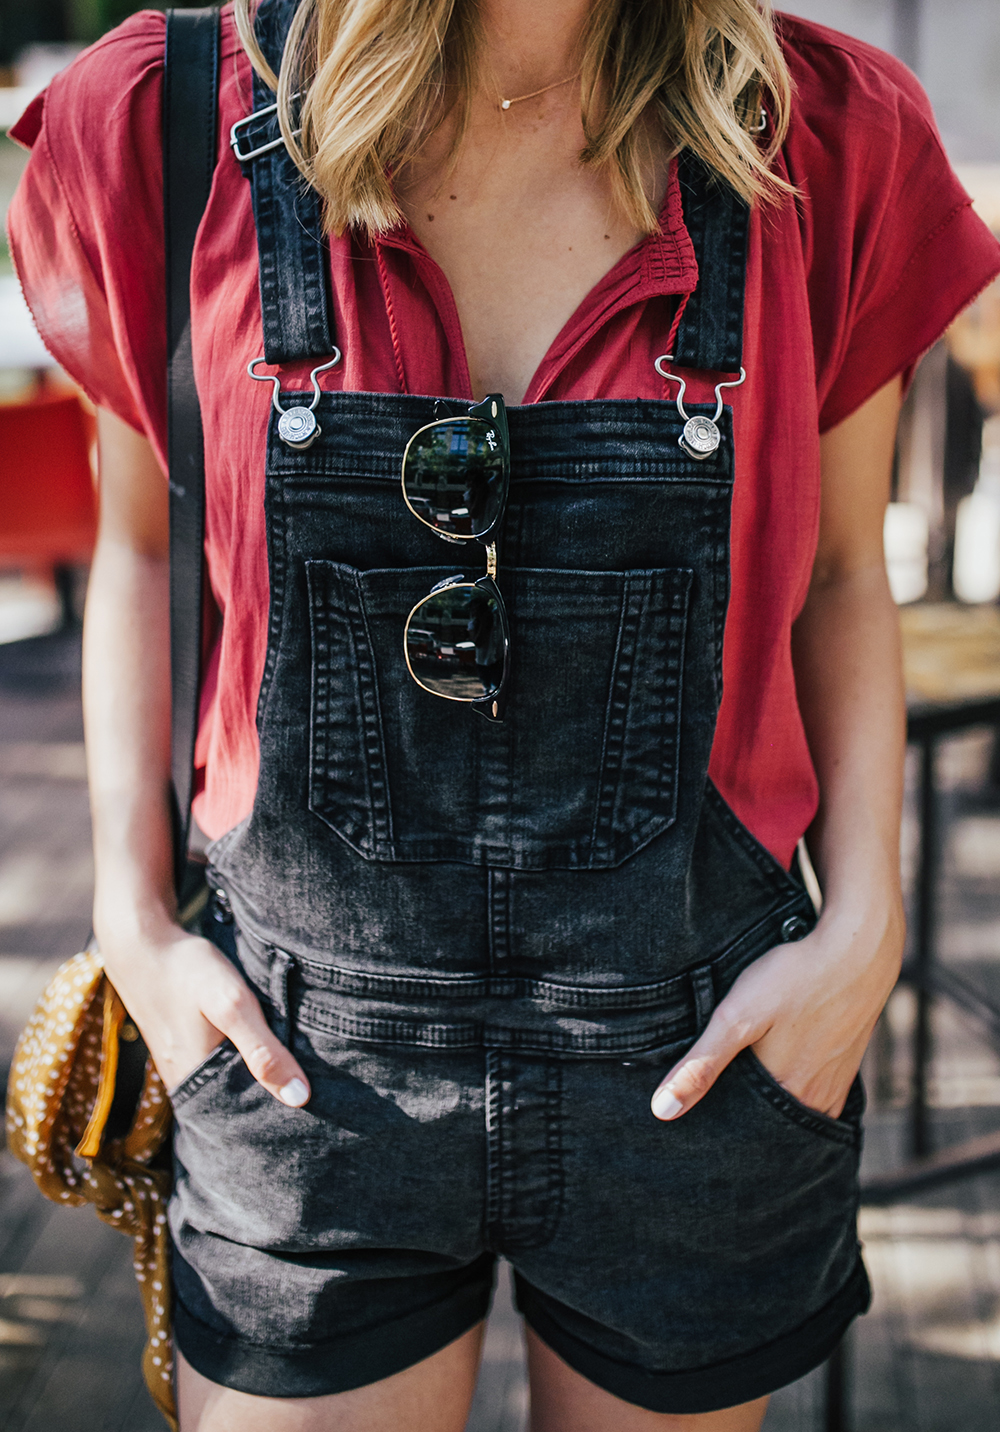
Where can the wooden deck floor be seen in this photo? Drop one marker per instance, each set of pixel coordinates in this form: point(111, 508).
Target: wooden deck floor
point(926, 1359)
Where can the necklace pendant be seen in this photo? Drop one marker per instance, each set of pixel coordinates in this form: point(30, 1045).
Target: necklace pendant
point(505, 104)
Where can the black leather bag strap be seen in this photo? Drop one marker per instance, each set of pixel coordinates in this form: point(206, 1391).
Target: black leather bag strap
point(190, 105)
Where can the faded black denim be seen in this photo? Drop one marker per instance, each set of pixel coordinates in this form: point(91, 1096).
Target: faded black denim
point(468, 883)
point(684, 1267)
point(486, 943)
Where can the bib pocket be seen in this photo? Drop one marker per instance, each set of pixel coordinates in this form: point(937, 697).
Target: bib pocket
point(582, 773)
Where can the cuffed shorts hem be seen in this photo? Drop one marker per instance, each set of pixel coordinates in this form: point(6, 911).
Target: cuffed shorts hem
point(721, 1384)
point(318, 1369)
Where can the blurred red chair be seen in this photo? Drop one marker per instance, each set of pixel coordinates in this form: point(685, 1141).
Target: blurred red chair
point(48, 507)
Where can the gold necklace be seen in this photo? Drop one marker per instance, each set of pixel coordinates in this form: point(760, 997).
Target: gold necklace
point(506, 103)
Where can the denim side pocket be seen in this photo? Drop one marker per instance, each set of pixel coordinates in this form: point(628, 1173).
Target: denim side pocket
point(203, 1074)
point(846, 1129)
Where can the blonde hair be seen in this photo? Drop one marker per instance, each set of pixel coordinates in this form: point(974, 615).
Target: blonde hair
point(363, 82)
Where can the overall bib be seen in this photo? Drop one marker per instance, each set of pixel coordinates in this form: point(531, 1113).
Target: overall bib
point(485, 942)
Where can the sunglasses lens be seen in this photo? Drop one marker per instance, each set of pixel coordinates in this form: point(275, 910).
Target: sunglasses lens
point(455, 643)
point(454, 476)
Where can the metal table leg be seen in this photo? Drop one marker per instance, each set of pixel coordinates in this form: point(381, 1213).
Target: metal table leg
point(924, 938)
point(837, 1414)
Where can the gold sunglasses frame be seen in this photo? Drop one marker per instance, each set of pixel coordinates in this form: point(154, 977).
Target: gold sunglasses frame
point(491, 705)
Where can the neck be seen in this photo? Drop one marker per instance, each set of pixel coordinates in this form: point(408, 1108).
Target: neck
point(529, 45)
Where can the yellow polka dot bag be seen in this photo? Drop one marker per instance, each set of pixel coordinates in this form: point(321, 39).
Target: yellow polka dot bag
point(62, 1121)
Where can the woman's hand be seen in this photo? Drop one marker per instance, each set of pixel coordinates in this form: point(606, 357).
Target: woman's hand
point(807, 1011)
point(182, 992)
point(186, 997)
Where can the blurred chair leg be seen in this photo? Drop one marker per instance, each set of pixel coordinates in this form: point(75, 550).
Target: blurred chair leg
point(882, 1063)
point(993, 770)
point(836, 1416)
point(65, 580)
point(924, 941)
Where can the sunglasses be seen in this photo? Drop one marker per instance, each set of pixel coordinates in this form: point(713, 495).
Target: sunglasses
point(456, 475)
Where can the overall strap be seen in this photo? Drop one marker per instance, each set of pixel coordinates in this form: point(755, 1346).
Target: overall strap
point(295, 295)
point(294, 273)
point(711, 331)
point(190, 95)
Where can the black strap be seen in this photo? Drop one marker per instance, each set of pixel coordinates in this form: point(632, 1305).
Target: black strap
point(718, 220)
point(295, 298)
point(294, 269)
point(190, 103)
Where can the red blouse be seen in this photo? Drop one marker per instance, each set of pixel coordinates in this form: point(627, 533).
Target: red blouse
point(846, 287)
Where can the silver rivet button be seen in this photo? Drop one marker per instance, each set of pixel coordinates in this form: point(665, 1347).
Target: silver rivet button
point(700, 437)
point(794, 928)
point(298, 428)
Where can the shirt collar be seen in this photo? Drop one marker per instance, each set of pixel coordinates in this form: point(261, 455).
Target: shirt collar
point(660, 265)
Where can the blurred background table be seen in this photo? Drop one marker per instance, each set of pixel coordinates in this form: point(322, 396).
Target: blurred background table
point(952, 666)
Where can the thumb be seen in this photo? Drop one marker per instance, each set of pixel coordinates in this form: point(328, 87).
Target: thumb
point(693, 1076)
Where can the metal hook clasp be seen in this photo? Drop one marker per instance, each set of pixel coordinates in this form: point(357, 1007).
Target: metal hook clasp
point(700, 436)
point(673, 378)
point(297, 426)
point(236, 133)
point(734, 383)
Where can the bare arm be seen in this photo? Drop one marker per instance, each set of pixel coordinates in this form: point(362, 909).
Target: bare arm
point(808, 1008)
point(182, 992)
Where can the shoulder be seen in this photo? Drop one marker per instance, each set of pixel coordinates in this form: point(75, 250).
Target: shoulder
point(86, 223)
point(90, 97)
point(850, 97)
point(863, 151)
point(891, 248)
point(96, 133)
point(106, 103)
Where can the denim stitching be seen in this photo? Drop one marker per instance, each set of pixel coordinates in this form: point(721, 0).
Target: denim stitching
point(671, 996)
point(765, 1084)
point(640, 738)
point(338, 754)
point(277, 563)
point(293, 281)
point(208, 1070)
point(652, 453)
point(479, 1035)
point(606, 787)
point(556, 1181)
point(492, 1115)
point(498, 897)
point(762, 858)
point(371, 715)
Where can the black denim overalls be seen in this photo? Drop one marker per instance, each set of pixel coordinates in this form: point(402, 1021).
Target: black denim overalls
point(509, 919)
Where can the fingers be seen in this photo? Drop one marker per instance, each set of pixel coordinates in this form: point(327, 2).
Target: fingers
point(233, 1008)
point(690, 1079)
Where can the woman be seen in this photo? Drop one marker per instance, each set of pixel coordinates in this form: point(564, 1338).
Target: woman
point(537, 978)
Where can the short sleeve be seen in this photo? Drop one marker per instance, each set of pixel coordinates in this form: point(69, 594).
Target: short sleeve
point(893, 248)
point(85, 225)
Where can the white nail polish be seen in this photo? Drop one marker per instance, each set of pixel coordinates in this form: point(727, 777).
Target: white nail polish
point(294, 1093)
point(666, 1104)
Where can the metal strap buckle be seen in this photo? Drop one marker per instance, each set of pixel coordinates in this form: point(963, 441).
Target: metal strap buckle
point(235, 135)
point(297, 426)
point(700, 436)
